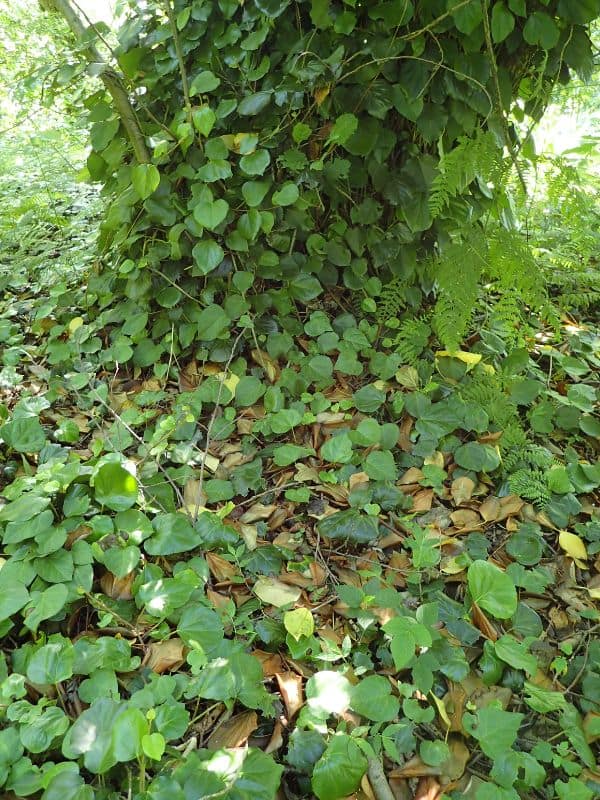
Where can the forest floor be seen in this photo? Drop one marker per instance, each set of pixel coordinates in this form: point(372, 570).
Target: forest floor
point(308, 535)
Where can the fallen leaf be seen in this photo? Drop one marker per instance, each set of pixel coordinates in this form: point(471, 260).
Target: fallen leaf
point(422, 501)
point(276, 740)
point(257, 512)
point(117, 588)
point(275, 592)
point(233, 732)
point(265, 361)
point(164, 656)
point(454, 766)
point(466, 520)
point(574, 547)
point(412, 475)
point(481, 622)
point(271, 663)
point(290, 688)
point(462, 490)
point(221, 569)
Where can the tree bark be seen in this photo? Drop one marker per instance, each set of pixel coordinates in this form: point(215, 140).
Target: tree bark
point(112, 81)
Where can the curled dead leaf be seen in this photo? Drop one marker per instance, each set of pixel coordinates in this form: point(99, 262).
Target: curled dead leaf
point(462, 490)
point(117, 588)
point(165, 656)
point(233, 732)
point(290, 688)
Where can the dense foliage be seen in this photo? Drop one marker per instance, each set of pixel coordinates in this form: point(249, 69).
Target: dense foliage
point(297, 497)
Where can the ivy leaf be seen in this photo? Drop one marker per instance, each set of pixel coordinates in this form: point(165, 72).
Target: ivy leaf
point(467, 17)
point(287, 195)
point(174, 534)
point(494, 729)
point(299, 622)
point(344, 127)
point(204, 119)
point(207, 255)
point(145, 179)
point(255, 163)
point(477, 457)
point(541, 29)
point(372, 698)
point(115, 487)
point(339, 770)
point(350, 525)
point(25, 435)
point(272, 8)
point(503, 22)
point(515, 653)
point(206, 81)
point(46, 605)
point(211, 213)
point(212, 322)
point(492, 589)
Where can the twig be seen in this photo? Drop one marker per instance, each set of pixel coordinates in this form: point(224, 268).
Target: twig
point(378, 781)
point(211, 423)
point(490, 48)
point(180, 61)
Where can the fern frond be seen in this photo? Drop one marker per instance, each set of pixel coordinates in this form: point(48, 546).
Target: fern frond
point(477, 157)
point(458, 270)
point(411, 339)
point(530, 484)
point(391, 301)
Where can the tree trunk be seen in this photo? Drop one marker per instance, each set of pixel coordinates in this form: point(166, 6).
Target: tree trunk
point(110, 78)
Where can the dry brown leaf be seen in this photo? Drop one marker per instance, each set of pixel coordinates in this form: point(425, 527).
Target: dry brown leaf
point(218, 600)
point(454, 766)
point(165, 656)
point(465, 520)
point(415, 768)
point(117, 588)
point(194, 497)
point(490, 509)
point(290, 688)
point(462, 490)
point(412, 475)
point(276, 740)
point(510, 506)
point(271, 663)
point(189, 376)
point(265, 361)
point(558, 618)
point(357, 479)
point(481, 622)
point(279, 516)
point(257, 512)
point(233, 732)
point(318, 573)
point(422, 501)
point(221, 569)
point(80, 532)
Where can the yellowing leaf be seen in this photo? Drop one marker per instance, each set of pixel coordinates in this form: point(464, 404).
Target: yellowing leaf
point(321, 94)
point(574, 547)
point(75, 323)
point(275, 592)
point(470, 359)
point(299, 622)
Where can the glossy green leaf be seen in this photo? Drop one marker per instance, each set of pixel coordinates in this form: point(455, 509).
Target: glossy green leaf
point(115, 487)
point(492, 589)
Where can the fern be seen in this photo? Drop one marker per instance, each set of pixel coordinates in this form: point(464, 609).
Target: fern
point(472, 158)
point(411, 340)
point(530, 484)
point(488, 392)
point(391, 301)
point(458, 271)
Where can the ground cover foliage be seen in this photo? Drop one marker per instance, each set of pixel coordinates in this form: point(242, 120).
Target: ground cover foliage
point(315, 517)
